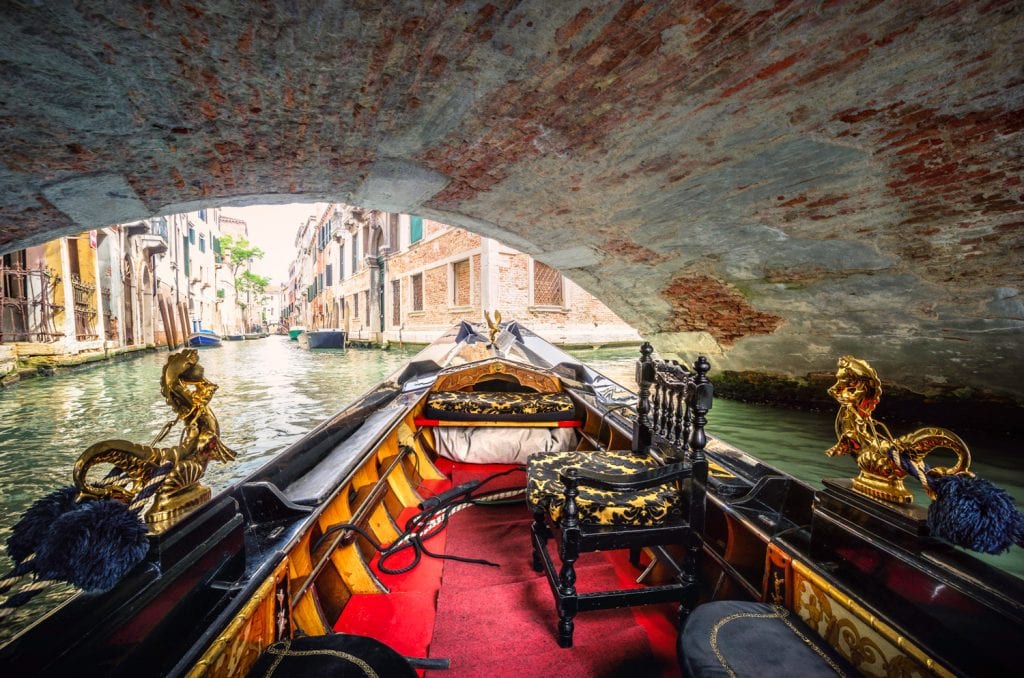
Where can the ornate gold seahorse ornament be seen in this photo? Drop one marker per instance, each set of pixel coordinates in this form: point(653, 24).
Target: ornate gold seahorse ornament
point(175, 471)
point(883, 459)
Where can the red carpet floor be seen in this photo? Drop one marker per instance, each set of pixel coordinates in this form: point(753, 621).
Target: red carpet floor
point(501, 621)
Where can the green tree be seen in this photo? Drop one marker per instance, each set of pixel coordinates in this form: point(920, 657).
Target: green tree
point(238, 252)
point(251, 283)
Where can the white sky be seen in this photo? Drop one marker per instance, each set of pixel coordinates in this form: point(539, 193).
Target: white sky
point(272, 228)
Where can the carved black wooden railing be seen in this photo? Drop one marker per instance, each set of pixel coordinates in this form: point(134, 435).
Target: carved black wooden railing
point(673, 403)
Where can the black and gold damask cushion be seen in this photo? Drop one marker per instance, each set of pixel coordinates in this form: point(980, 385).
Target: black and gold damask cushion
point(499, 406)
point(544, 491)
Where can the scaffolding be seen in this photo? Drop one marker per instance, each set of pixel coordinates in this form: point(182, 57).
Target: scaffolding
point(26, 304)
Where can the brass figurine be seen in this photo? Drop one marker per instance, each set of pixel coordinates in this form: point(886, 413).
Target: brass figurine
point(884, 460)
point(175, 471)
point(495, 324)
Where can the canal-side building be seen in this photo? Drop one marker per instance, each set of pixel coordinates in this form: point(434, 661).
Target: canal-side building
point(270, 307)
point(50, 305)
point(401, 278)
point(124, 287)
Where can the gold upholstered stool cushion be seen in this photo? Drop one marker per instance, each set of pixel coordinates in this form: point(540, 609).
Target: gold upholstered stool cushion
point(544, 491)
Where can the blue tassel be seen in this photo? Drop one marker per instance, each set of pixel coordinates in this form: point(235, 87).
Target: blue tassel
point(94, 546)
point(34, 525)
point(975, 514)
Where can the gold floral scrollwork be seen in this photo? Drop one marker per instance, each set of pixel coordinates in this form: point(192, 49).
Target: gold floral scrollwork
point(871, 646)
point(778, 597)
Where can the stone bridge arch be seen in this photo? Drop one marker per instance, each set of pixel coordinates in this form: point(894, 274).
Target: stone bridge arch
point(778, 184)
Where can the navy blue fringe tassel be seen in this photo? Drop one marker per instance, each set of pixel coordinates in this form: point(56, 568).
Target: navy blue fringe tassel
point(94, 546)
point(29, 532)
point(975, 514)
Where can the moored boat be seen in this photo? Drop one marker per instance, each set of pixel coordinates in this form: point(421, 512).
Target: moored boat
point(204, 338)
point(292, 549)
point(326, 338)
point(294, 332)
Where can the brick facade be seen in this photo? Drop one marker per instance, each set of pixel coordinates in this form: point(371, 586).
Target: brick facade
point(456, 284)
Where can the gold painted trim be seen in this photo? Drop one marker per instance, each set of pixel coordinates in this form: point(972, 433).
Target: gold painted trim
point(876, 624)
point(216, 649)
point(459, 377)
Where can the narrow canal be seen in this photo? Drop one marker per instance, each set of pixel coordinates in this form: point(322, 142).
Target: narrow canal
point(271, 391)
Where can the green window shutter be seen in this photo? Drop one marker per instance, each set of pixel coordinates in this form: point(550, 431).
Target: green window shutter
point(184, 248)
point(192, 235)
point(415, 229)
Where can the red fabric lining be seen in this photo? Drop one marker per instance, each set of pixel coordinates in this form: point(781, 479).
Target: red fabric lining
point(502, 621)
point(426, 576)
point(404, 620)
point(423, 421)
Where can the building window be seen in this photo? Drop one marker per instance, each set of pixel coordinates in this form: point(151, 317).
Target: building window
point(202, 214)
point(396, 302)
point(460, 283)
point(547, 285)
point(341, 262)
point(415, 229)
point(355, 254)
point(330, 275)
point(417, 292)
point(202, 243)
point(191, 235)
point(367, 307)
point(355, 306)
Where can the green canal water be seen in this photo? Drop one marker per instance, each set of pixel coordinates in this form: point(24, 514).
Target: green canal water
point(271, 392)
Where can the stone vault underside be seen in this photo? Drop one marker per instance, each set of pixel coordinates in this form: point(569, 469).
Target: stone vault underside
point(778, 184)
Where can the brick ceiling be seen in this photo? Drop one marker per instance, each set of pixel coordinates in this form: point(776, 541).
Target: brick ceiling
point(774, 183)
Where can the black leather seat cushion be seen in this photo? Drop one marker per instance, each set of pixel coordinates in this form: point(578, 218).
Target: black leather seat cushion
point(738, 638)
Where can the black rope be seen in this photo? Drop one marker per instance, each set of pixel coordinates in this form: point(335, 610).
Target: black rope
point(418, 529)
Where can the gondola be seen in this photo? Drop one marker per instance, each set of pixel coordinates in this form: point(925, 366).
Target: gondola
point(456, 519)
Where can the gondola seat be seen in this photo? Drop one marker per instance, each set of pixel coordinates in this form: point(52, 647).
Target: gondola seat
point(739, 638)
point(601, 500)
point(499, 406)
point(648, 506)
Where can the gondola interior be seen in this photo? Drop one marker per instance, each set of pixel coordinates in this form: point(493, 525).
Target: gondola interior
point(498, 508)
